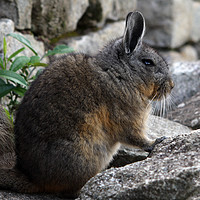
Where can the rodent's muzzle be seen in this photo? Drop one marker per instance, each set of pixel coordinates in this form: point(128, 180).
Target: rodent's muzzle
point(164, 89)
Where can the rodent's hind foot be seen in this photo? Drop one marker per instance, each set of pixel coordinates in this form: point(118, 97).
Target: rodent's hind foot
point(157, 141)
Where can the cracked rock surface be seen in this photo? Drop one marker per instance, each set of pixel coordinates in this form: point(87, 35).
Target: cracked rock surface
point(172, 172)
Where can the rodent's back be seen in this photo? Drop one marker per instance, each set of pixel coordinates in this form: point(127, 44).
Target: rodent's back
point(59, 93)
point(55, 105)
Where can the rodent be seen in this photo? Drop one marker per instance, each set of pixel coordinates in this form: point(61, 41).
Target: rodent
point(76, 114)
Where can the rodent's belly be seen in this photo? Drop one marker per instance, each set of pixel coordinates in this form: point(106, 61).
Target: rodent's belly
point(109, 156)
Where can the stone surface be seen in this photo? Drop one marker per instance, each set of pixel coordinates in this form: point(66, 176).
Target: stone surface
point(168, 22)
point(172, 172)
point(101, 10)
point(187, 113)
point(17, 10)
point(121, 8)
point(93, 42)
point(6, 26)
point(24, 9)
point(55, 17)
point(195, 30)
point(186, 53)
point(186, 77)
point(127, 156)
point(156, 127)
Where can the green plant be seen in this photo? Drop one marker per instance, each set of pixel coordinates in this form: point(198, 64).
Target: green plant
point(9, 116)
point(17, 72)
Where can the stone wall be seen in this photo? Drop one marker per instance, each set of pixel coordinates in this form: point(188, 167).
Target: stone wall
point(171, 24)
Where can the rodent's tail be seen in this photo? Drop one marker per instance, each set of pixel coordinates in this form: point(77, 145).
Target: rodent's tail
point(14, 180)
point(6, 134)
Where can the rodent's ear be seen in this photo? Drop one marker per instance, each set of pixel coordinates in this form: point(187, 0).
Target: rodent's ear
point(134, 31)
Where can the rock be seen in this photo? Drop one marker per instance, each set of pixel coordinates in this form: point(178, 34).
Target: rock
point(101, 10)
point(195, 30)
point(93, 42)
point(55, 17)
point(6, 26)
point(172, 172)
point(168, 22)
point(24, 14)
point(197, 47)
point(171, 56)
point(18, 11)
point(120, 9)
point(186, 77)
point(127, 156)
point(188, 53)
point(185, 53)
point(187, 113)
point(156, 127)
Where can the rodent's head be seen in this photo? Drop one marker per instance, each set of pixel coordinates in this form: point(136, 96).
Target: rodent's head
point(145, 67)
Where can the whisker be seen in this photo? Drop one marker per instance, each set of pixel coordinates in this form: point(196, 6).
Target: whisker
point(173, 104)
point(157, 108)
point(164, 106)
point(170, 104)
point(160, 109)
point(151, 101)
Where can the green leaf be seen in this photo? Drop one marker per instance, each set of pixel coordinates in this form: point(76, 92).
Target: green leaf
point(40, 64)
point(60, 49)
point(4, 47)
point(4, 51)
point(10, 116)
point(24, 41)
point(2, 82)
point(5, 89)
point(20, 91)
point(19, 63)
point(16, 53)
point(10, 75)
point(34, 59)
point(1, 63)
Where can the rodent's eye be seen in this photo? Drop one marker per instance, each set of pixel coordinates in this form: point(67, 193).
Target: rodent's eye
point(148, 62)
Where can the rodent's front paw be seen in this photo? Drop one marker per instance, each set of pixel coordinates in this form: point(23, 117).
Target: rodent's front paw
point(157, 141)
